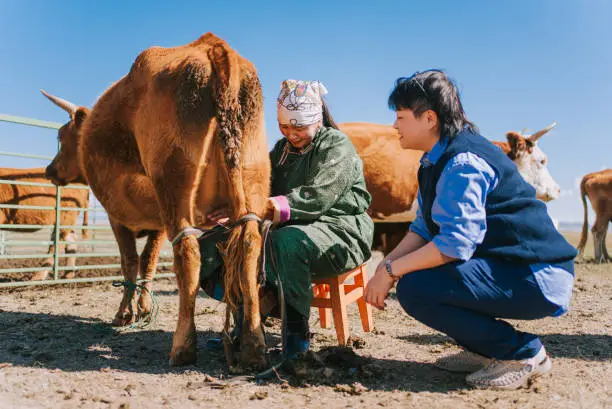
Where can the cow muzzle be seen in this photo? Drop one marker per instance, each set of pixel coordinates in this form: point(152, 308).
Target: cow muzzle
point(51, 174)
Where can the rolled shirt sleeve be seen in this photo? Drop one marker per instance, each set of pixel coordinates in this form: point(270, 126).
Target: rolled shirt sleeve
point(419, 226)
point(459, 207)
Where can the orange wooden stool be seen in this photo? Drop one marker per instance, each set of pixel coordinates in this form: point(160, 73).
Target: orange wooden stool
point(335, 294)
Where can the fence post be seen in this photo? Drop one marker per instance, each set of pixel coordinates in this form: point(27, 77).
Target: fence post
point(2, 240)
point(58, 205)
point(56, 248)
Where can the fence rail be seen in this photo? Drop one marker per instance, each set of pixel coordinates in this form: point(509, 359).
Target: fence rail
point(19, 242)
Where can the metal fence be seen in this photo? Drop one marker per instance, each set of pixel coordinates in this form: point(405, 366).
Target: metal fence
point(17, 247)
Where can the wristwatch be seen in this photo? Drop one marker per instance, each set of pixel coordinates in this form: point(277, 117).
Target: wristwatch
point(389, 270)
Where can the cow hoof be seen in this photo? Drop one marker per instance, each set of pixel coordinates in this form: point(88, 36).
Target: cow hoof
point(122, 320)
point(184, 356)
point(256, 361)
point(144, 309)
point(253, 352)
point(144, 316)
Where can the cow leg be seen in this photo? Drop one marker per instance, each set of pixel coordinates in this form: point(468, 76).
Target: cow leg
point(129, 268)
point(599, 236)
point(148, 265)
point(384, 244)
point(186, 267)
point(605, 257)
point(253, 343)
point(175, 187)
point(70, 249)
point(40, 275)
point(47, 263)
point(605, 249)
point(598, 243)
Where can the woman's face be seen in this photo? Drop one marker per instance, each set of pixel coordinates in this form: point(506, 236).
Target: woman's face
point(417, 132)
point(299, 136)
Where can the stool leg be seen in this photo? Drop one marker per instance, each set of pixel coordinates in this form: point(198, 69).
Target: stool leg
point(325, 317)
point(324, 313)
point(338, 302)
point(365, 309)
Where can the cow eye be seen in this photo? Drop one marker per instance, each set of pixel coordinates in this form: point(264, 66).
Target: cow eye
point(543, 162)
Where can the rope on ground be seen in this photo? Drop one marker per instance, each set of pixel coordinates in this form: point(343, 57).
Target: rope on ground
point(139, 288)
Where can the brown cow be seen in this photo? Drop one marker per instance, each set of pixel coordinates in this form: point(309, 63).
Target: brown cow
point(390, 171)
point(597, 186)
point(42, 196)
point(391, 175)
point(181, 134)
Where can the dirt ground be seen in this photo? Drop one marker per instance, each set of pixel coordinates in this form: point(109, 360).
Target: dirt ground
point(57, 350)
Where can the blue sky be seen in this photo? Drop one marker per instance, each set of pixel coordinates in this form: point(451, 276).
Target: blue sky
point(520, 63)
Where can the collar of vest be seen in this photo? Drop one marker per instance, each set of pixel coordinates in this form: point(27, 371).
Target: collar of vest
point(430, 158)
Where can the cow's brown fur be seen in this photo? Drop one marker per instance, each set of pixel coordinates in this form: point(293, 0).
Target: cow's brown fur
point(181, 134)
point(42, 196)
point(597, 186)
point(390, 172)
point(516, 144)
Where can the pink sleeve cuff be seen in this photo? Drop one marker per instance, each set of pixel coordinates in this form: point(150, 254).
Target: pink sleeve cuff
point(282, 211)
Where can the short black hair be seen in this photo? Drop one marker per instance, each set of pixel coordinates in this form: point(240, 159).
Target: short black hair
point(432, 89)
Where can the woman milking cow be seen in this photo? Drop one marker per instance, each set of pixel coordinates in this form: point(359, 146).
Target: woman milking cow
point(481, 248)
point(318, 205)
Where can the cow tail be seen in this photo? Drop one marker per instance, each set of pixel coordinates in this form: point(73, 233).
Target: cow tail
point(226, 88)
point(585, 224)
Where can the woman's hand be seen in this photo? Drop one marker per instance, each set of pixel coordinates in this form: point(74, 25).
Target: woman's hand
point(378, 287)
point(220, 215)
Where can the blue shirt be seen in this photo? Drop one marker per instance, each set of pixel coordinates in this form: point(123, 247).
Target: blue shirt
point(459, 211)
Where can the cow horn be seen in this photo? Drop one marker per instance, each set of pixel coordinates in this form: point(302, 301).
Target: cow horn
point(62, 103)
point(534, 137)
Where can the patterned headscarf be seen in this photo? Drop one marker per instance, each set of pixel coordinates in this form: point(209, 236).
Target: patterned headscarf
point(300, 102)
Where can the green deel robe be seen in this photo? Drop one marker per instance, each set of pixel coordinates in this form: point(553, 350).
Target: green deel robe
point(329, 231)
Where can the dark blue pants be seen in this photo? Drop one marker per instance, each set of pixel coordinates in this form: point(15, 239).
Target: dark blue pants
point(464, 300)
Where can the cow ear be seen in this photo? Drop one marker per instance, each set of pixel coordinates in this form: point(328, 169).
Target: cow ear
point(518, 144)
point(79, 116)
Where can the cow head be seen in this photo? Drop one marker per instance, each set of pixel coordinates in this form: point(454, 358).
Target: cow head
point(532, 163)
point(65, 167)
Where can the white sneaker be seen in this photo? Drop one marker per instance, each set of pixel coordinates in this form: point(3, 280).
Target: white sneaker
point(510, 374)
point(464, 361)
